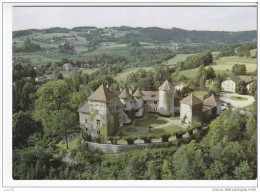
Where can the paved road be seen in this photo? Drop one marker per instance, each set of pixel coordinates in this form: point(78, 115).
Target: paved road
point(234, 103)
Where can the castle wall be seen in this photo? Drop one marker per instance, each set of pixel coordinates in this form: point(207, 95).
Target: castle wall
point(127, 103)
point(151, 106)
point(166, 102)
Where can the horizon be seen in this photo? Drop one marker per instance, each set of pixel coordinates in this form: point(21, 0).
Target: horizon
point(229, 19)
point(70, 28)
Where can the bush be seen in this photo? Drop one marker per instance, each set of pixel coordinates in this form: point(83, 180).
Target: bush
point(97, 139)
point(86, 137)
point(130, 139)
point(114, 139)
point(165, 137)
point(147, 138)
point(179, 134)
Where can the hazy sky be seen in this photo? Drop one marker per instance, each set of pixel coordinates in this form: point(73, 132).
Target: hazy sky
point(191, 18)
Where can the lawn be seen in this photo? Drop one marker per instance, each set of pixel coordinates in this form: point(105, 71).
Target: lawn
point(131, 130)
point(238, 98)
point(166, 129)
point(72, 145)
point(151, 121)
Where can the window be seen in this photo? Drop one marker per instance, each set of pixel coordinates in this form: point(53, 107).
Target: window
point(86, 129)
point(86, 121)
point(98, 122)
point(153, 95)
point(155, 102)
point(145, 102)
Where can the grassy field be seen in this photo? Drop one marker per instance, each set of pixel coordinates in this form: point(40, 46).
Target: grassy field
point(224, 65)
point(179, 57)
point(122, 76)
point(151, 121)
point(253, 52)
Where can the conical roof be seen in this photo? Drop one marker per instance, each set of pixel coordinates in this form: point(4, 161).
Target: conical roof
point(102, 94)
point(138, 93)
point(191, 100)
point(211, 101)
point(166, 86)
point(125, 94)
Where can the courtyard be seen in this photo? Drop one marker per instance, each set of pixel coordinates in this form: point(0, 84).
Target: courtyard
point(237, 100)
point(152, 124)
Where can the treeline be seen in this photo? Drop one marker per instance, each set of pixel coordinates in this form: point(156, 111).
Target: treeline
point(159, 35)
point(227, 152)
point(195, 61)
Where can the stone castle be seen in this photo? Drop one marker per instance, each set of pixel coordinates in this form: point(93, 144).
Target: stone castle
point(106, 110)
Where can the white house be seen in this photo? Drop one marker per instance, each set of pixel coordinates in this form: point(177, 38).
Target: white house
point(229, 84)
point(180, 86)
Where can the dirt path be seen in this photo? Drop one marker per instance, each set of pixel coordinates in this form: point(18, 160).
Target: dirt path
point(226, 97)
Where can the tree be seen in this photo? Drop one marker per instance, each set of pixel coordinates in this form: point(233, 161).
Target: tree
point(241, 87)
point(65, 122)
point(210, 73)
point(239, 69)
point(53, 95)
point(253, 89)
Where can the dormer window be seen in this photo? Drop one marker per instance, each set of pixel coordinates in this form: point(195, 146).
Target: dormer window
point(98, 122)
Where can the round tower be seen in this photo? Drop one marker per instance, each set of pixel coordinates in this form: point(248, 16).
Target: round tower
point(139, 103)
point(125, 98)
point(166, 99)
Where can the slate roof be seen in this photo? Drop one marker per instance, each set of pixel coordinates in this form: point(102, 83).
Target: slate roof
point(245, 78)
point(125, 94)
point(211, 101)
point(150, 95)
point(102, 94)
point(84, 108)
point(191, 100)
point(138, 93)
point(166, 86)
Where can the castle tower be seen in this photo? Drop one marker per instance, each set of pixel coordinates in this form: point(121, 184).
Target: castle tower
point(125, 98)
point(139, 103)
point(191, 109)
point(166, 99)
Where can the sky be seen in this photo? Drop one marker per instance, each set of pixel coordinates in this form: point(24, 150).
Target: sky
point(190, 18)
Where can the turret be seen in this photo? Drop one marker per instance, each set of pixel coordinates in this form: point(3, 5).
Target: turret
point(139, 103)
point(125, 98)
point(166, 99)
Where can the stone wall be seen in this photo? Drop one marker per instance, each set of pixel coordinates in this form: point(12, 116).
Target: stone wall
point(109, 148)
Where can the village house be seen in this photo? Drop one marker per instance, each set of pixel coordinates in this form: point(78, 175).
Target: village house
point(229, 84)
point(180, 86)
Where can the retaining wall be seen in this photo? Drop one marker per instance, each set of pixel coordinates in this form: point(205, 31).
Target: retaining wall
point(109, 148)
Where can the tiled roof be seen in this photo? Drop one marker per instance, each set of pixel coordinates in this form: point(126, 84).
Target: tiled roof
point(166, 86)
point(138, 93)
point(150, 95)
point(102, 94)
point(125, 94)
point(211, 101)
point(84, 108)
point(191, 100)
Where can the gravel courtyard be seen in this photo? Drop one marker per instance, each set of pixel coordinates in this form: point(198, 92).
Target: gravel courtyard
point(226, 97)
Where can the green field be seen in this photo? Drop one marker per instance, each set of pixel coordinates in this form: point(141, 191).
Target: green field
point(179, 57)
point(167, 129)
point(122, 76)
point(151, 121)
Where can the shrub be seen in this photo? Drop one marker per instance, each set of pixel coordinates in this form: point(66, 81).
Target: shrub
point(179, 134)
point(147, 138)
point(86, 137)
point(165, 137)
point(130, 139)
point(114, 139)
point(97, 139)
